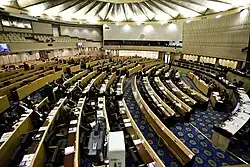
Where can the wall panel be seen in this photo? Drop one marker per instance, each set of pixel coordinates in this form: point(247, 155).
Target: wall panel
point(42, 28)
point(223, 37)
point(157, 32)
point(11, 29)
point(89, 33)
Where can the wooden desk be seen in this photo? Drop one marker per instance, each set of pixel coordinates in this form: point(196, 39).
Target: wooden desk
point(76, 68)
point(127, 67)
point(111, 80)
point(37, 84)
point(19, 78)
point(151, 64)
point(144, 149)
point(4, 103)
point(168, 111)
point(197, 95)
point(39, 154)
point(183, 108)
point(75, 77)
point(8, 73)
point(134, 70)
point(180, 150)
point(114, 68)
point(8, 147)
point(99, 78)
point(87, 78)
point(7, 89)
point(185, 98)
point(200, 84)
point(15, 75)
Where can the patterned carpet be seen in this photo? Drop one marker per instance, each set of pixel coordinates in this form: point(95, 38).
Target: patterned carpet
point(200, 120)
point(206, 154)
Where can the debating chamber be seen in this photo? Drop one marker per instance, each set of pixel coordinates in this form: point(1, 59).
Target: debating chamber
point(124, 83)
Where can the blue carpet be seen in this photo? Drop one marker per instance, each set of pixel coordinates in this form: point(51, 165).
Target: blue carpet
point(205, 119)
point(149, 134)
point(200, 120)
point(206, 154)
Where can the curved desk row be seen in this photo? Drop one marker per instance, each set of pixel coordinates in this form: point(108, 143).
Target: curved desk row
point(144, 149)
point(25, 125)
point(159, 102)
point(7, 89)
point(134, 70)
point(21, 77)
point(37, 84)
point(200, 84)
point(39, 153)
point(180, 151)
point(196, 95)
point(87, 78)
point(188, 100)
point(8, 73)
point(75, 77)
point(183, 108)
point(92, 63)
point(157, 63)
point(229, 127)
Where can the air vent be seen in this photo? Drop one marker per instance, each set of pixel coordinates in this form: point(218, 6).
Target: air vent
point(204, 17)
point(106, 28)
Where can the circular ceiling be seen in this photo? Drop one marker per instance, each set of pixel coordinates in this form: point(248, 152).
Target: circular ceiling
point(124, 10)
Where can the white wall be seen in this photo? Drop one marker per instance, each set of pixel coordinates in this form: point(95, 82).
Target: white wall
point(223, 37)
point(94, 34)
point(147, 54)
point(18, 58)
point(42, 28)
point(157, 32)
